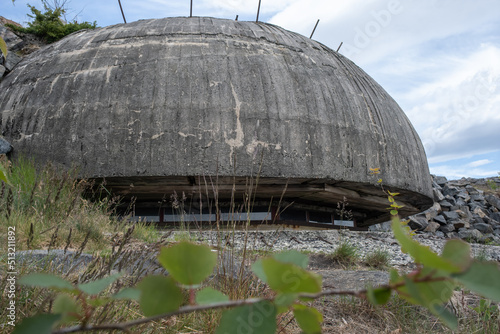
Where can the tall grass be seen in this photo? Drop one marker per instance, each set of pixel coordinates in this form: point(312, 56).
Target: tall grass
point(49, 209)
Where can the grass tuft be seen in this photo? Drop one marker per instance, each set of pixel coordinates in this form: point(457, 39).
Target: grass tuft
point(346, 254)
point(379, 259)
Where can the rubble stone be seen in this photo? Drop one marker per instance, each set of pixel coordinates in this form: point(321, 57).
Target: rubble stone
point(418, 223)
point(447, 228)
point(483, 227)
point(432, 227)
point(450, 215)
point(493, 201)
point(440, 219)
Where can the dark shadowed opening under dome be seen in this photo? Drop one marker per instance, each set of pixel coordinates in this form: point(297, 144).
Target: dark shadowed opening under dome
point(182, 104)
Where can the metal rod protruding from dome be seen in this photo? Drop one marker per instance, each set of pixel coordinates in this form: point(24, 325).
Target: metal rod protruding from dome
point(258, 12)
point(120, 3)
point(191, 9)
point(340, 46)
point(236, 19)
point(314, 29)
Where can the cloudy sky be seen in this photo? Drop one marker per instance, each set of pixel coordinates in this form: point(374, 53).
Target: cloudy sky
point(439, 59)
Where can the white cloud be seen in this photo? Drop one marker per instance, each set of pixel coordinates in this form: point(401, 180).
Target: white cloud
point(455, 172)
point(245, 6)
point(457, 112)
point(478, 163)
point(373, 30)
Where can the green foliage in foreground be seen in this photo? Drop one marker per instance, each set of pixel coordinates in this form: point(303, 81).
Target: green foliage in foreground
point(49, 25)
point(430, 286)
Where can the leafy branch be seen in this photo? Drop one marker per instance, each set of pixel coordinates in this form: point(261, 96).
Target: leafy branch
point(189, 265)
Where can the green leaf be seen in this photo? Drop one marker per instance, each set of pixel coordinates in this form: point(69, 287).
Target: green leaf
point(288, 277)
point(3, 174)
point(45, 281)
point(411, 288)
point(448, 318)
point(392, 194)
point(255, 318)
point(188, 263)
point(394, 212)
point(430, 294)
point(435, 289)
point(421, 254)
point(308, 318)
point(483, 278)
point(3, 47)
point(484, 307)
point(210, 296)
point(258, 270)
point(293, 256)
point(67, 307)
point(159, 294)
point(96, 287)
point(40, 324)
point(98, 301)
point(394, 276)
point(379, 296)
point(128, 293)
point(457, 252)
point(285, 299)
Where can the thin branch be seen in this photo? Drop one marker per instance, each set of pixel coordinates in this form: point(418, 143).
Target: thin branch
point(359, 293)
point(189, 309)
point(233, 303)
point(185, 309)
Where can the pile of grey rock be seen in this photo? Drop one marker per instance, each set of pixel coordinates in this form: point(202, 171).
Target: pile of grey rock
point(468, 209)
point(14, 44)
point(18, 46)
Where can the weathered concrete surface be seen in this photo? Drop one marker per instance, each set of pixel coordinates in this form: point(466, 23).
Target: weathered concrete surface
point(204, 96)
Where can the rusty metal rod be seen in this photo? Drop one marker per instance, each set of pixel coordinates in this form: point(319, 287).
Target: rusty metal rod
point(314, 29)
point(120, 3)
point(340, 46)
point(258, 12)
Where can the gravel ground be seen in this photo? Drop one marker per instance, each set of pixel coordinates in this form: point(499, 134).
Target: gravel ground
point(141, 259)
point(326, 241)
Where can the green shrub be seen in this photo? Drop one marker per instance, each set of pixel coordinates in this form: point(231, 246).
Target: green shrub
point(346, 254)
point(49, 25)
point(378, 259)
point(493, 186)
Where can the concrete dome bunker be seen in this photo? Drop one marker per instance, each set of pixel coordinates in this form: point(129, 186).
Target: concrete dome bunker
point(162, 105)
